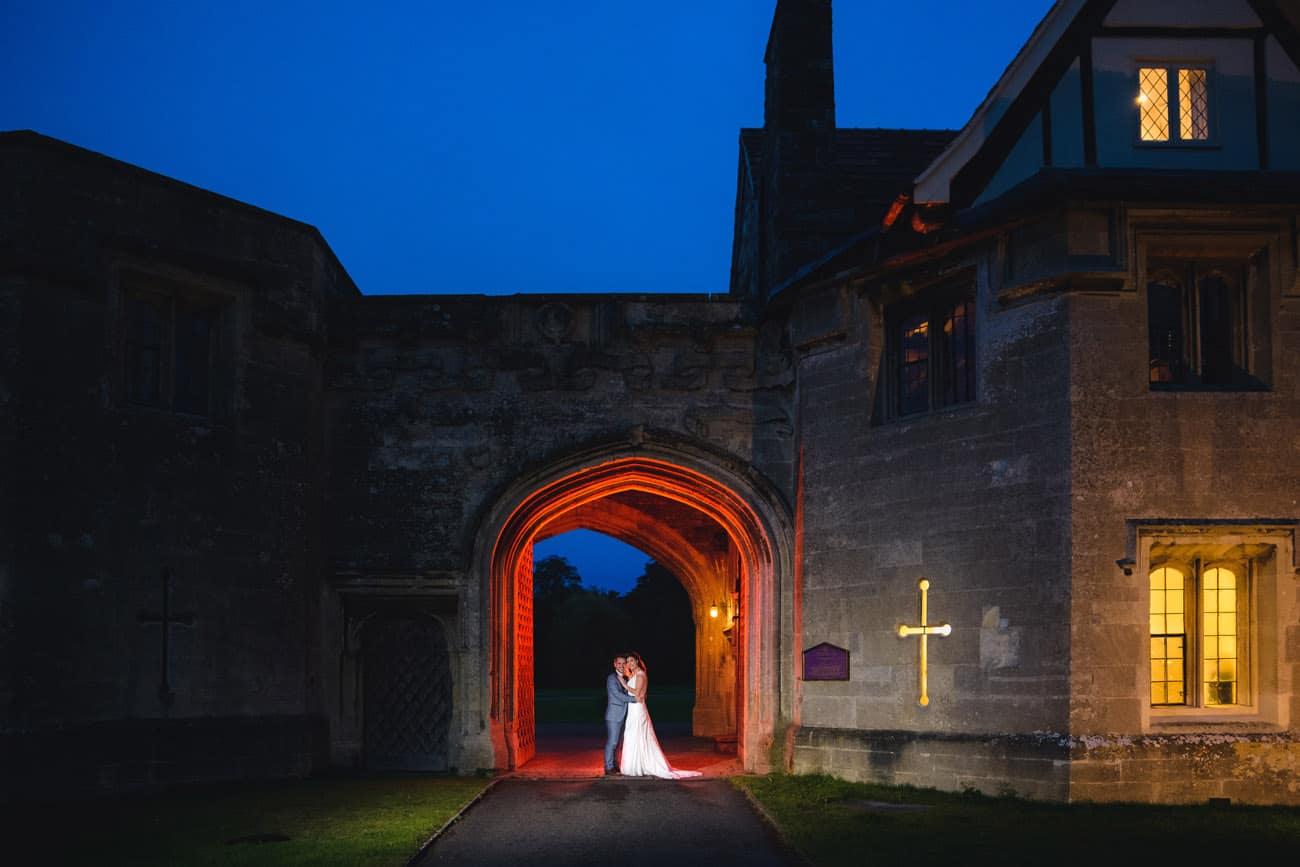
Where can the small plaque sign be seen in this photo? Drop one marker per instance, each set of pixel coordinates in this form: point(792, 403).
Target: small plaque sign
point(825, 662)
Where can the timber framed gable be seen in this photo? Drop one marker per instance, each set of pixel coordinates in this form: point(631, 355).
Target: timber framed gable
point(1059, 103)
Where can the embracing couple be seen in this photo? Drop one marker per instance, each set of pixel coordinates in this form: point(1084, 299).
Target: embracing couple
point(627, 719)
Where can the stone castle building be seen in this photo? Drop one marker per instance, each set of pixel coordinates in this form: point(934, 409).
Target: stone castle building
point(253, 522)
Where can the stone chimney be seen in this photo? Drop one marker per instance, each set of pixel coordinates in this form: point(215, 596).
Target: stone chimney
point(800, 92)
point(799, 137)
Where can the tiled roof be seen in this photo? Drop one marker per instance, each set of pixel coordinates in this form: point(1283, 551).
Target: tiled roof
point(875, 165)
point(872, 166)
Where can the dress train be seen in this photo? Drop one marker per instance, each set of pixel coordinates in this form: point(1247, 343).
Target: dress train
point(642, 755)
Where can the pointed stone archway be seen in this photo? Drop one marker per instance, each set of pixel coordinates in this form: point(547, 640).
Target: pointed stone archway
point(710, 519)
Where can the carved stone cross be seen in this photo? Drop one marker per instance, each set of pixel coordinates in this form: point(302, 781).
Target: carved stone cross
point(166, 620)
point(925, 630)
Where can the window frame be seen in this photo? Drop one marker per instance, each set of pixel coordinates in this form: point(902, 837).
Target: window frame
point(1190, 275)
point(1193, 570)
point(174, 293)
point(1270, 549)
point(934, 306)
point(1171, 68)
point(1255, 256)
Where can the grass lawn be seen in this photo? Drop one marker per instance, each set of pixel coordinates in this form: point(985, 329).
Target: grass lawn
point(832, 822)
point(373, 821)
point(581, 705)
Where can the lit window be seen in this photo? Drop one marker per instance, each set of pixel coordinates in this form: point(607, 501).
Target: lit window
point(1199, 634)
point(1163, 108)
point(932, 356)
point(1168, 637)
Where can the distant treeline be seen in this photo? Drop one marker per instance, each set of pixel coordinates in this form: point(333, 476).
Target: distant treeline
point(578, 630)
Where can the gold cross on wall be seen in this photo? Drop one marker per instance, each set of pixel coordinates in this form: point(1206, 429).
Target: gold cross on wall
point(925, 630)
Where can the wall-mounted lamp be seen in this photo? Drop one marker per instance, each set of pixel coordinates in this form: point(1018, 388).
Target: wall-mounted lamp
point(713, 611)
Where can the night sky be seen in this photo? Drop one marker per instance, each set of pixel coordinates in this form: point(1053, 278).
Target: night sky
point(498, 146)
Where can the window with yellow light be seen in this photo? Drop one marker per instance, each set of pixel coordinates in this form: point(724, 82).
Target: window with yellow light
point(1173, 104)
point(1199, 634)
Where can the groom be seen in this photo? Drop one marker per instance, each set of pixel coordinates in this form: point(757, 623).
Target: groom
point(615, 712)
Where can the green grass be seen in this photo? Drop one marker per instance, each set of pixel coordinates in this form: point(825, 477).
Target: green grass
point(816, 814)
point(374, 821)
point(667, 704)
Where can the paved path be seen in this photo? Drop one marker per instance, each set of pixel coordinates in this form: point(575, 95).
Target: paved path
point(619, 822)
point(577, 751)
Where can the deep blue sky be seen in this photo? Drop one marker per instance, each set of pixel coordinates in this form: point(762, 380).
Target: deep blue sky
point(494, 146)
point(490, 146)
point(602, 561)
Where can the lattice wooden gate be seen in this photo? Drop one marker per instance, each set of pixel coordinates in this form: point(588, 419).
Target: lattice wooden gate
point(408, 695)
point(525, 720)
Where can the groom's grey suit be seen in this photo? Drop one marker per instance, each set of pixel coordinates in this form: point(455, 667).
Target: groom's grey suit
point(616, 704)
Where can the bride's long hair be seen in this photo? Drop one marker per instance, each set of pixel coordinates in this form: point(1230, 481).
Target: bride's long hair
point(640, 663)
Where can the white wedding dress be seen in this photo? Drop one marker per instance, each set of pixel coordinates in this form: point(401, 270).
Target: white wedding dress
point(642, 756)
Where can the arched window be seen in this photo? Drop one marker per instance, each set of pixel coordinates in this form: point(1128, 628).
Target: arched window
point(1168, 636)
point(1199, 634)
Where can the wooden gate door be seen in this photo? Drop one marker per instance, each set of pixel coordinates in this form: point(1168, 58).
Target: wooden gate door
point(407, 710)
point(525, 719)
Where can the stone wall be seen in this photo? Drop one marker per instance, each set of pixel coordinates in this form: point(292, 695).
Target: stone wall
point(1244, 767)
point(1028, 766)
point(1219, 466)
point(974, 497)
point(106, 495)
point(437, 405)
point(10, 326)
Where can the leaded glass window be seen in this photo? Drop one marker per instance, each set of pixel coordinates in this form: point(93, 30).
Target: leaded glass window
point(1193, 105)
point(1169, 112)
point(1153, 103)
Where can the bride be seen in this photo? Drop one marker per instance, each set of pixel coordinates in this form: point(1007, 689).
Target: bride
point(642, 756)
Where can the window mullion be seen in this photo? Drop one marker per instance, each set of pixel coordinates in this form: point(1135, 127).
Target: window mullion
point(1246, 635)
point(1175, 119)
point(1195, 640)
point(1192, 322)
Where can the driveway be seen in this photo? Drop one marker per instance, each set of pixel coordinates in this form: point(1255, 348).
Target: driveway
point(624, 822)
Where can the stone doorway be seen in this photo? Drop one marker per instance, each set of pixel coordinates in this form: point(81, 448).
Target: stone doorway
point(407, 704)
point(711, 527)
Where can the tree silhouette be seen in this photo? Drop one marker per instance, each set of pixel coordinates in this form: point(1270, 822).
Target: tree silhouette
point(578, 630)
point(662, 628)
point(553, 578)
